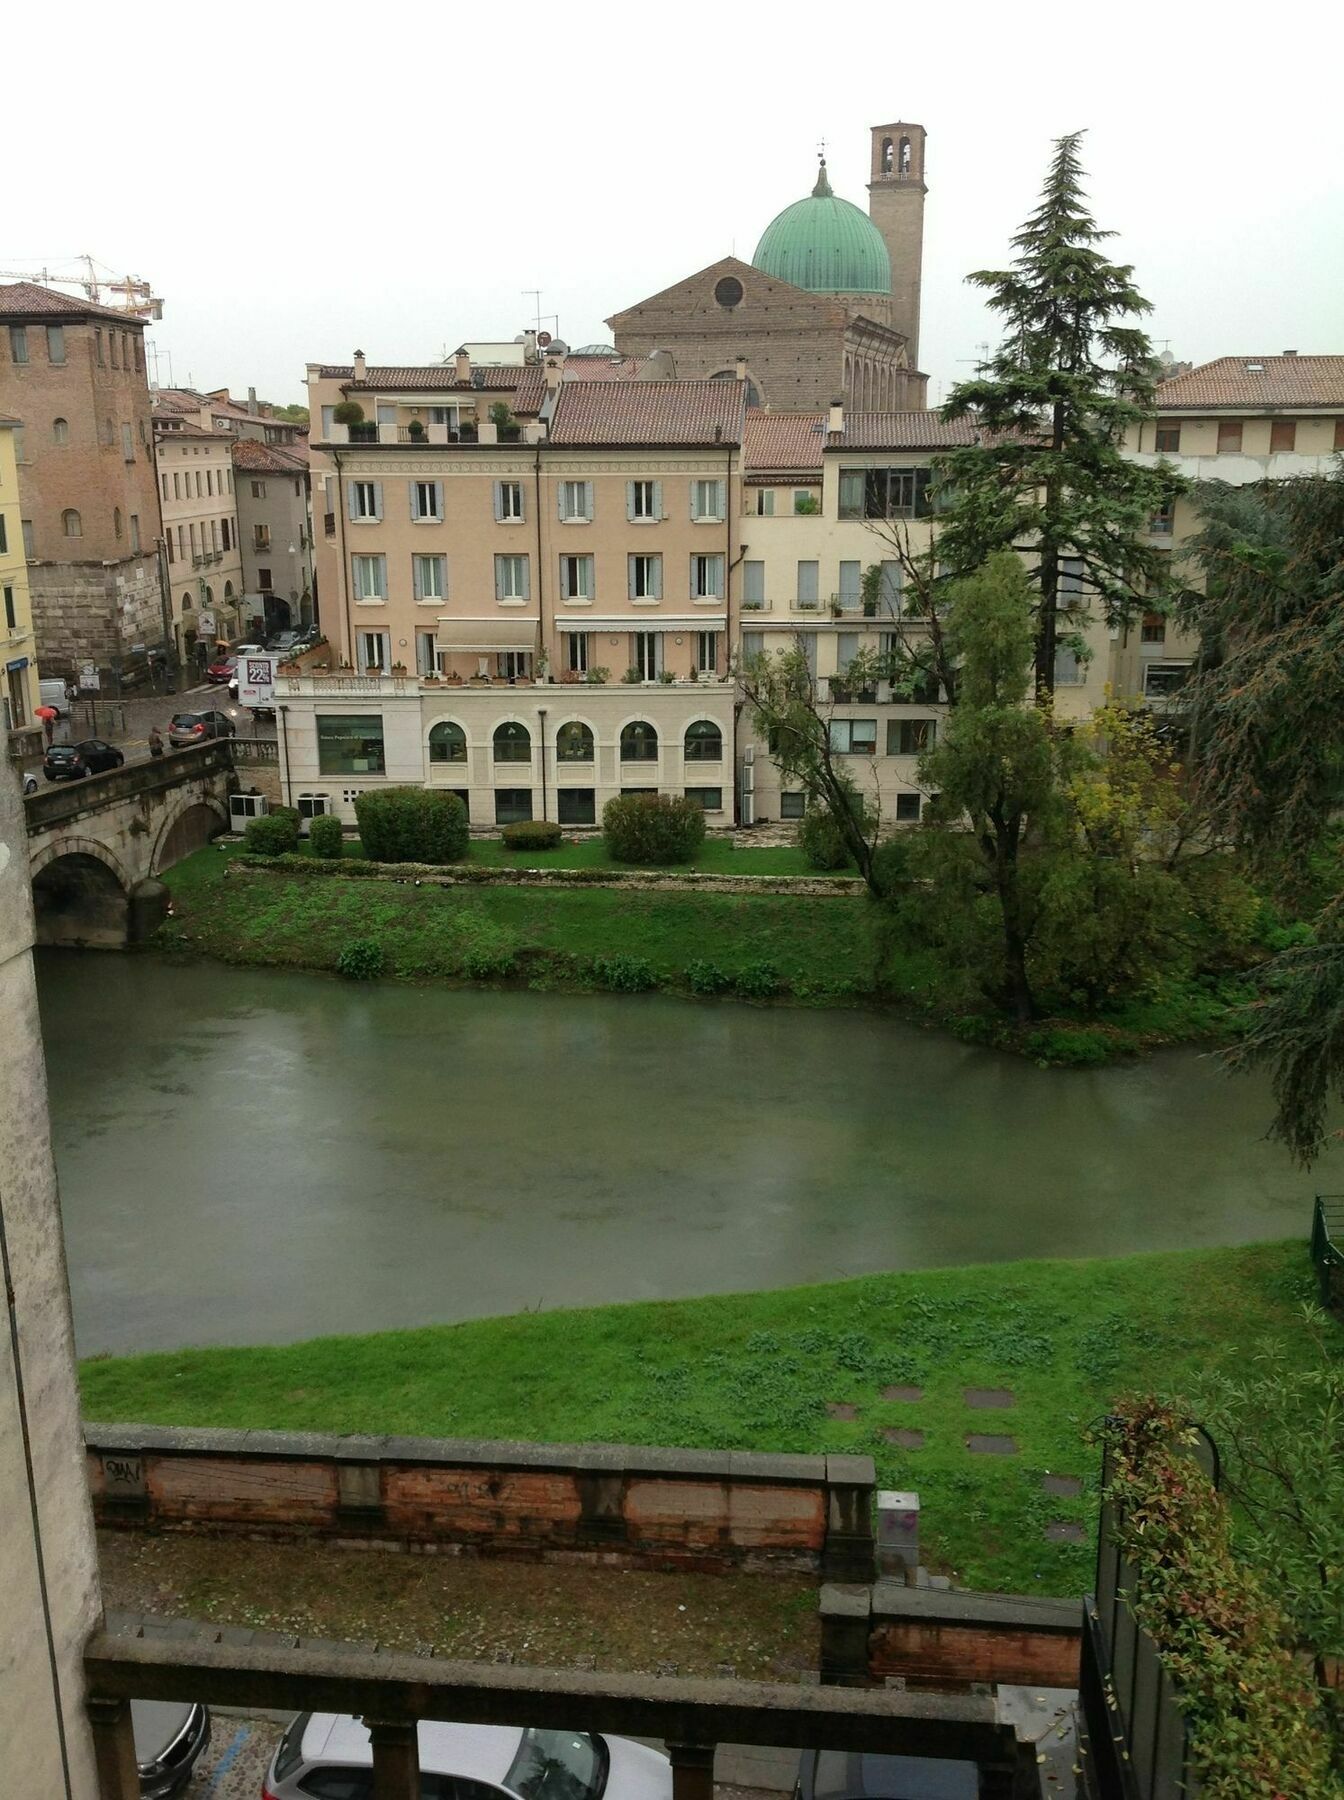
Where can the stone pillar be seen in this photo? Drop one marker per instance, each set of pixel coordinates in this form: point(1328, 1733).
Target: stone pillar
point(847, 1554)
point(846, 1621)
point(898, 1534)
point(114, 1748)
point(48, 1562)
point(692, 1771)
point(396, 1759)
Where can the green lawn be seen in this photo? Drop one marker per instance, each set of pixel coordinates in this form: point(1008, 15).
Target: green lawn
point(716, 856)
point(756, 1371)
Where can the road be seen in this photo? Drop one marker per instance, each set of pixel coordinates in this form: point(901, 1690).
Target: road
point(127, 723)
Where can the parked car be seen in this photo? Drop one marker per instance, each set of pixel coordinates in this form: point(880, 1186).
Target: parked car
point(195, 727)
point(221, 670)
point(54, 691)
point(72, 762)
point(283, 642)
point(839, 1775)
point(170, 1738)
point(328, 1753)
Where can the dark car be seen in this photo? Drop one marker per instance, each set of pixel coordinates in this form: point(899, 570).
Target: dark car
point(840, 1775)
point(72, 762)
point(169, 1740)
point(196, 727)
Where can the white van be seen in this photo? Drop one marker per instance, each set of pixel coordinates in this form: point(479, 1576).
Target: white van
point(52, 693)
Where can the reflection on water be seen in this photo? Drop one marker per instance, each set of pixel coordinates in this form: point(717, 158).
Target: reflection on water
point(254, 1156)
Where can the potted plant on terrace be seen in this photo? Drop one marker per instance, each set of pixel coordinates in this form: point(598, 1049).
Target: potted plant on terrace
point(597, 677)
point(870, 589)
point(506, 426)
point(632, 677)
point(415, 431)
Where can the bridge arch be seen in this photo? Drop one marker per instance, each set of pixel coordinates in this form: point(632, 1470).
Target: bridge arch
point(81, 895)
point(192, 821)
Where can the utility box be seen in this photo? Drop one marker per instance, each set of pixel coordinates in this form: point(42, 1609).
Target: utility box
point(244, 807)
point(897, 1534)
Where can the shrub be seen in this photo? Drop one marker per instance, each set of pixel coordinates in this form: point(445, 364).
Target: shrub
point(891, 868)
point(757, 980)
point(326, 836)
point(820, 841)
point(361, 959)
point(652, 828)
point(531, 834)
point(484, 963)
point(274, 834)
point(625, 974)
point(348, 412)
point(405, 824)
point(707, 978)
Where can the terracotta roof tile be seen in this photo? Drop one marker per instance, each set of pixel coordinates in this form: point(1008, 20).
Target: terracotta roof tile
point(901, 431)
point(250, 454)
point(395, 378)
point(27, 300)
point(1251, 381)
point(782, 442)
point(649, 412)
point(531, 390)
point(600, 368)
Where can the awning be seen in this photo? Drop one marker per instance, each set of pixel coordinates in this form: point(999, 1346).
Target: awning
point(485, 634)
point(705, 621)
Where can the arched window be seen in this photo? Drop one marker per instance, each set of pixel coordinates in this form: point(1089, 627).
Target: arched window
point(513, 743)
point(70, 523)
point(574, 742)
point(888, 156)
point(60, 431)
point(704, 742)
point(186, 601)
point(228, 590)
point(905, 156)
point(209, 596)
point(109, 432)
point(639, 742)
point(448, 743)
point(116, 521)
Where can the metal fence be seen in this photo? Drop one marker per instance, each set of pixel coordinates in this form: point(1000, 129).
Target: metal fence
point(1327, 1248)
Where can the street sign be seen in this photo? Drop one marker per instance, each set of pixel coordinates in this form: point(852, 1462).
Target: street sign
point(205, 625)
point(256, 680)
point(89, 679)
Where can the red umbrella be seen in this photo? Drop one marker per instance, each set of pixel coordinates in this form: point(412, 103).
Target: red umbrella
point(46, 712)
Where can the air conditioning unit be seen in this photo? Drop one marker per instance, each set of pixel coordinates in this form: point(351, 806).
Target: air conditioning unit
point(748, 808)
point(243, 807)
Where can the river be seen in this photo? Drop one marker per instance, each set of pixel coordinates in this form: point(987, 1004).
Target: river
point(256, 1156)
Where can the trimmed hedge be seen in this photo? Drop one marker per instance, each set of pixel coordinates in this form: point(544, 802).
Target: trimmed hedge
point(406, 824)
point(652, 828)
point(274, 833)
point(326, 835)
point(532, 834)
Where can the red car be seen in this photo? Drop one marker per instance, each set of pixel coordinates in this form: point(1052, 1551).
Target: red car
point(221, 671)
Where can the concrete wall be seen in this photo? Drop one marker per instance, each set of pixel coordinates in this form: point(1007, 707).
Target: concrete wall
point(648, 1508)
point(48, 1565)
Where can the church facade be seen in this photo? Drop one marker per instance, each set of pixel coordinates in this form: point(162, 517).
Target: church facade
point(828, 306)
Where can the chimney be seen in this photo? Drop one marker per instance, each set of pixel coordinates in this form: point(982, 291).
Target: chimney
point(835, 420)
point(529, 346)
point(359, 365)
point(553, 371)
point(740, 366)
point(251, 400)
point(1290, 353)
point(461, 368)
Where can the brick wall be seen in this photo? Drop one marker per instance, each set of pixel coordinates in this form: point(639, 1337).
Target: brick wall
point(649, 1508)
point(931, 1638)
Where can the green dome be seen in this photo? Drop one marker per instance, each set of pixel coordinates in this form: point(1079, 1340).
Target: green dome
point(825, 244)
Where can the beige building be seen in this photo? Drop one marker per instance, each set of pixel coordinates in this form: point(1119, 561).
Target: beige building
point(74, 374)
point(20, 689)
point(275, 531)
point(539, 624)
point(1239, 419)
point(203, 559)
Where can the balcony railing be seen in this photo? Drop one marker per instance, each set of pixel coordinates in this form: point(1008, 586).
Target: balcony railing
point(392, 1691)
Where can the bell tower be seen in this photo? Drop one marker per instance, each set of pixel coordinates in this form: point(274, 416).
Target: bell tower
point(896, 193)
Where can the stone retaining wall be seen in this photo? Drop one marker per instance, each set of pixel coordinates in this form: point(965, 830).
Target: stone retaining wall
point(944, 1639)
point(641, 1508)
point(643, 880)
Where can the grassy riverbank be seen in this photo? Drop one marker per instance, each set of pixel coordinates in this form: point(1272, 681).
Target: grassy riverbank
point(759, 1372)
point(832, 950)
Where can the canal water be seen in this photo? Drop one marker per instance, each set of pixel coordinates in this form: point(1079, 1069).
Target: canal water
point(257, 1156)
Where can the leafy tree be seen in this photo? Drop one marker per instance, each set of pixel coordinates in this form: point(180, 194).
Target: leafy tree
point(918, 657)
point(1054, 404)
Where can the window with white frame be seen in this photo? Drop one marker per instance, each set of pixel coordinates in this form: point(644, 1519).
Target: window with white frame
point(1070, 667)
point(366, 500)
point(576, 660)
point(765, 503)
point(707, 577)
point(514, 665)
point(707, 652)
point(369, 576)
point(574, 742)
point(854, 737)
point(511, 578)
point(643, 501)
point(703, 742)
point(314, 806)
point(707, 500)
point(374, 649)
point(753, 587)
point(444, 415)
point(649, 654)
point(427, 502)
point(576, 577)
point(429, 577)
point(509, 501)
point(426, 657)
point(646, 577)
point(576, 501)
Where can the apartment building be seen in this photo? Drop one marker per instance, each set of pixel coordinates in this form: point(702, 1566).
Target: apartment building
point(538, 619)
point(203, 561)
point(74, 374)
point(835, 505)
point(275, 531)
point(217, 410)
point(20, 692)
point(1239, 419)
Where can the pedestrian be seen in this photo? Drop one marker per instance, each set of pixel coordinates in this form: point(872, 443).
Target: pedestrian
point(49, 728)
point(155, 741)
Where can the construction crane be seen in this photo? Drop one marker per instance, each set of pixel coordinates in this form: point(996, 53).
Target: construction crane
point(137, 300)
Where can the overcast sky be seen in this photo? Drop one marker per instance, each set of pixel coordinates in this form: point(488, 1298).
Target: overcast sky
point(296, 180)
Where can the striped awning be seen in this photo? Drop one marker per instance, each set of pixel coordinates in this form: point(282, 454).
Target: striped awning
point(485, 634)
point(707, 621)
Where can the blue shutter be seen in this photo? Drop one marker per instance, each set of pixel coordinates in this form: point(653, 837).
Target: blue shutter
point(438, 499)
point(377, 499)
point(657, 573)
point(410, 489)
point(527, 578)
point(630, 500)
point(657, 499)
point(351, 514)
point(417, 585)
point(588, 500)
point(499, 500)
point(560, 500)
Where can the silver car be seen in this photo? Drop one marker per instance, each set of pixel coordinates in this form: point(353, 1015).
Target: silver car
point(326, 1756)
point(170, 1738)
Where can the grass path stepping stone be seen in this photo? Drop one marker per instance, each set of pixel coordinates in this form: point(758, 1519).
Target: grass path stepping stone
point(1067, 1487)
point(1065, 1531)
point(990, 1397)
point(901, 1392)
point(841, 1409)
point(986, 1444)
point(904, 1436)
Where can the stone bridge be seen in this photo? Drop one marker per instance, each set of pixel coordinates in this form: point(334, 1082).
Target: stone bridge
point(97, 847)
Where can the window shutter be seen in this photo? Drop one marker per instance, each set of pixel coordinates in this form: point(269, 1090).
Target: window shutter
point(630, 500)
point(350, 500)
point(438, 499)
point(499, 500)
point(560, 500)
point(417, 583)
point(656, 576)
point(753, 581)
point(526, 586)
point(410, 488)
point(657, 499)
point(720, 506)
point(377, 499)
point(587, 499)
point(693, 488)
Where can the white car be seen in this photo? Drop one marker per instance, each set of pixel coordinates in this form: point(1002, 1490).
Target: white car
point(326, 1756)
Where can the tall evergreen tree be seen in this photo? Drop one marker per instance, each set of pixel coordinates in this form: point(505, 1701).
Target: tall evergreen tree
point(1055, 402)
